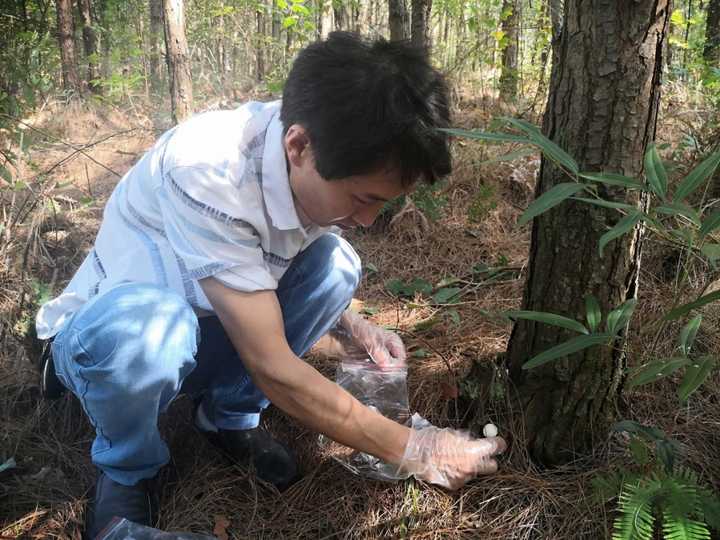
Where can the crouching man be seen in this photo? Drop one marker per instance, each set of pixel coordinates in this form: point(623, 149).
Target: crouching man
point(215, 269)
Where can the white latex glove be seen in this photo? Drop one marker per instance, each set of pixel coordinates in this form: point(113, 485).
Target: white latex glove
point(384, 347)
point(449, 457)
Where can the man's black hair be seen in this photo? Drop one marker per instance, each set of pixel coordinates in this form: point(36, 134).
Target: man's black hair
point(367, 105)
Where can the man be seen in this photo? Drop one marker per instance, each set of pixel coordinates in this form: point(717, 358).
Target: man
point(215, 269)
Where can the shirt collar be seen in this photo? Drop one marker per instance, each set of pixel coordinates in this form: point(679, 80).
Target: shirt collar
point(275, 181)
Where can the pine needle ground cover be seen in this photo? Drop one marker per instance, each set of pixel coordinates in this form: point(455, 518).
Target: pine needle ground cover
point(439, 279)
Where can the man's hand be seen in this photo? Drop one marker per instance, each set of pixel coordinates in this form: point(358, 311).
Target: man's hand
point(449, 458)
point(384, 347)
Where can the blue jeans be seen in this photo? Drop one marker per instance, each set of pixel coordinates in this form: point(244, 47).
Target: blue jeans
point(126, 354)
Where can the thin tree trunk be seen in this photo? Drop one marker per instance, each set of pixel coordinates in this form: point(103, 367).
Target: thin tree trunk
point(66, 41)
point(556, 18)
point(90, 44)
point(711, 50)
point(602, 108)
point(397, 20)
point(178, 60)
point(509, 70)
point(420, 21)
point(340, 14)
point(260, 53)
point(156, 21)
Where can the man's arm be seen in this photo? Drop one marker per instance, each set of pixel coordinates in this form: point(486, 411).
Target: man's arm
point(254, 323)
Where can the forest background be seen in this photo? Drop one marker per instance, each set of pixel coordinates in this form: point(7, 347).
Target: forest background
point(598, 365)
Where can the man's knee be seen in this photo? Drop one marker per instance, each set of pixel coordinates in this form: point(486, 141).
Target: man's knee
point(344, 266)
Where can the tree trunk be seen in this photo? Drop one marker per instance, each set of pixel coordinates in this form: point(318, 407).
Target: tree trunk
point(711, 51)
point(66, 41)
point(397, 20)
point(156, 21)
point(420, 21)
point(556, 18)
point(260, 52)
point(89, 44)
point(602, 108)
point(178, 60)
point(340, 14)
point(509, 70)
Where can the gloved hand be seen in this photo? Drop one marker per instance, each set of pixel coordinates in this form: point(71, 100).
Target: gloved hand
point(449, 457)
point(384, 347)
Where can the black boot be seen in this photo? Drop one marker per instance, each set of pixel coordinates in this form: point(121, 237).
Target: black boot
point(273, 462)
point(136, 503)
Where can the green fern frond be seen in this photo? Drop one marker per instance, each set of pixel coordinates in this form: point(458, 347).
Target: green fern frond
point(679, 495)
point(636, 520)
point(683, 528)
point(710, 506)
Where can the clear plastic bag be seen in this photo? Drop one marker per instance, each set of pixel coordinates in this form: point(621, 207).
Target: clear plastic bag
point(122, 529)
point(382, 389)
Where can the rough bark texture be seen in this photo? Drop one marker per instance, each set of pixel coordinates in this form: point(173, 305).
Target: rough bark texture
point(260, 52)
point(602, 108)
point(556, 18)
point(156, 21)
point(178, 60)
point(420, 20)
point(71, 79)
point(398, 20)
point(340, 14)
point(509, 71)
point(711, 51)
point(89, 43)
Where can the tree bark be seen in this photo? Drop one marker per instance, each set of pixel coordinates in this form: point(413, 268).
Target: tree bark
point(556, 18)
point(602, 108)
point(397, 20)
point(178, 60)
point(156, 21)
point(89, 44)
point(711, 50)
point(260, 52)
point(420, 21)
point(509, 70)
point(340, 14)
point(66, 41)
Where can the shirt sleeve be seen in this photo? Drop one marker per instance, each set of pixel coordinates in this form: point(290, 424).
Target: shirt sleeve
point(212, 226)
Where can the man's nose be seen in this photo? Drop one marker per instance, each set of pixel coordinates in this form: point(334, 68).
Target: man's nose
point(366, 215)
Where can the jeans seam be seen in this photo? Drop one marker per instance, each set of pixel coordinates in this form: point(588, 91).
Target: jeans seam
point(83, 399)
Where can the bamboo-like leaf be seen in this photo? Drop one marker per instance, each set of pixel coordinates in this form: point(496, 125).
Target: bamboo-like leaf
point(697, 176)
point(656, 370)
point(606, 204)
point(612, 179)
point(679, 209)
point(688, 333)
point(710, 223)
point(548, 147)
point(695, 375)
point(593, 313)
point(564, 349)
point(548, 318)
point(549, 199)
point(445, 295)
point(711, 251)
point(686, 308)
point(617, 318)
point(485, 136)
point(649, 433)
point(623, 226)
point(655, 172)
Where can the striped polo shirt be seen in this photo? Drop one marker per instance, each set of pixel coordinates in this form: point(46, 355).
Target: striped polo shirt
point(211, 198)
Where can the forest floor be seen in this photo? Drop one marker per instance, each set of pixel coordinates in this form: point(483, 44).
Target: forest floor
point(75, 155)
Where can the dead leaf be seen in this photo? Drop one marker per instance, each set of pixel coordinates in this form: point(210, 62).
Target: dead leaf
point(221, 525)
point(449, 390)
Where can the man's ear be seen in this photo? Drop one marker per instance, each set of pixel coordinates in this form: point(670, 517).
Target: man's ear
point(297, 146)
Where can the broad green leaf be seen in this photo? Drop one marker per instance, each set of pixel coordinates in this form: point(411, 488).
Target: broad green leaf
point(446, 295)
point(5, 174)
point(655, 172)
point(289, 22)
point(548, 147)
point(639, 451)
point(419, 285)
point(675, 209)
point(688, 333)
point(549, 318)
point(710, 223)
point(483, 136)
point(549, 199)
point(612, 179)
point(427, 324)
point(695, 375)
point(606, 204)
point(420, 353)
point(593, 313)
point(564, 349)
point(697, 176)
point(649, 433)
point(445, 282)
point(656, 370)
point(395, 286)
point(623, 226)
point(686, 308)
point(453, 315)
point(299, 8)
point(619, 316)
point(711, 251)
point(368, 310)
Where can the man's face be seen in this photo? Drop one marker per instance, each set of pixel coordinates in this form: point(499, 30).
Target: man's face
point(347, 202)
